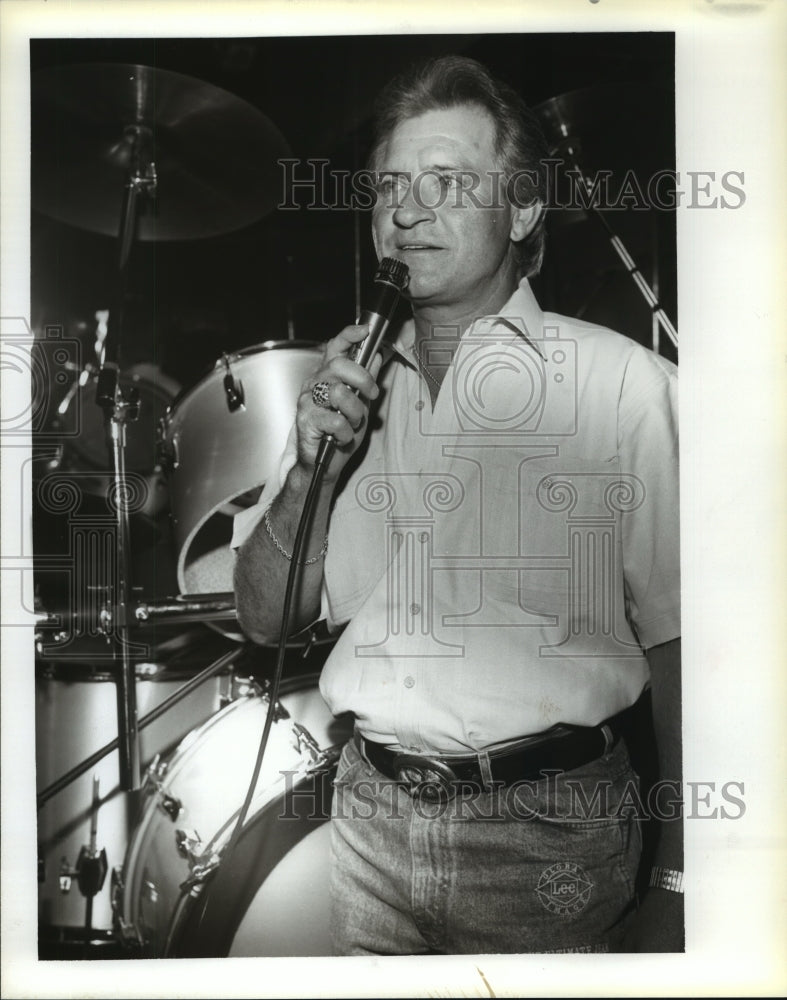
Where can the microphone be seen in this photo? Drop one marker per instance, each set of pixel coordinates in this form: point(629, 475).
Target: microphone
point(390, 279)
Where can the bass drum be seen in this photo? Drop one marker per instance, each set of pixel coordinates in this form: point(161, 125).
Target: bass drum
point(220, 442)
point(173, 899)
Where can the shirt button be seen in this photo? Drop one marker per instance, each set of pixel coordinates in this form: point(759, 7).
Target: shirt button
point(409, 682)
point(419, 405)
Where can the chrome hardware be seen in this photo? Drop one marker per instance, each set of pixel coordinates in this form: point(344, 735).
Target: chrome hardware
point(187, 844)
point(127, 934)
point(279, 711)
point(305, 742)
point(66, 875)
point(233, 388)
point(171, 805)
point(152, 783)
point(243, 687)
point(155, 772)
point(175, 451)
point(199, 873)
point(249, 687)
point(150, 890)
point(105, 620)
point(202, 864)
point(117, 887)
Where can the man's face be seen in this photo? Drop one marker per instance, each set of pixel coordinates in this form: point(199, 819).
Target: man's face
point(441, 209)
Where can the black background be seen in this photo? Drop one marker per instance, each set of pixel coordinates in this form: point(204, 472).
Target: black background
point(190, 300)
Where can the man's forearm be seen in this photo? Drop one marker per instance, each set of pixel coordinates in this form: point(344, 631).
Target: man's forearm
point(261, 569)
point(665, 667)
point(658, 926)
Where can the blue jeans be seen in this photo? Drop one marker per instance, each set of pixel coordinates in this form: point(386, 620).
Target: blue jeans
point(545, 866)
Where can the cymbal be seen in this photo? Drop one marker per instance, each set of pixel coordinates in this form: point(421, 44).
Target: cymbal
point(215, 154)
point(589, 111)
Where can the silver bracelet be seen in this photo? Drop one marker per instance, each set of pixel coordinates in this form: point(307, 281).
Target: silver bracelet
point(288, 555)
point(666, 878)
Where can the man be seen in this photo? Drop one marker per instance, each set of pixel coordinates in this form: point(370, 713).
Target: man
point(501, 519)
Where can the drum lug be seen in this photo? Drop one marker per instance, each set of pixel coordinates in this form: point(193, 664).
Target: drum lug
point(242, 687)
point(233, 388)
point(171, 806)
point(248, 687)
point(199, 873)
point(152, 783)
point(154, 775)
point(167, 454)
point(305, 742)
point(188, 844)
point(279, 711)
point(202, 864)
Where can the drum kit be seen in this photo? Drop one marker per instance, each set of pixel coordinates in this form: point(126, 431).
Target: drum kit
point(142, 767)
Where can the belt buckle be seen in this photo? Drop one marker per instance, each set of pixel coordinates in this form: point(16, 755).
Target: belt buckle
point(425, 778)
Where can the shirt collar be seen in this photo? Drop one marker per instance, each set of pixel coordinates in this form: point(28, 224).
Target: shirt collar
point(521, 313)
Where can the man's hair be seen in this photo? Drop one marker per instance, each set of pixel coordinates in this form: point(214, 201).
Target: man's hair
point(450, 81)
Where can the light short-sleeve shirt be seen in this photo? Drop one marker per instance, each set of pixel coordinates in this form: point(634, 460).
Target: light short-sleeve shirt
point(501, 562)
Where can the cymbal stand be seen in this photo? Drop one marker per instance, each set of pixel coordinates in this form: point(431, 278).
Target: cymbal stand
point(628, 261)
point(120, 409)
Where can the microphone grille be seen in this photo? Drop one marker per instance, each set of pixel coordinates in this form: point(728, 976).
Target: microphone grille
point(394, 272)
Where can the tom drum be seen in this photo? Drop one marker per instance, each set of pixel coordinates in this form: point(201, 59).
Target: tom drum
point(221, 441)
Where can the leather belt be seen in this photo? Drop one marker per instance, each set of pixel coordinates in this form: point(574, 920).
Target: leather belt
point(442, 777)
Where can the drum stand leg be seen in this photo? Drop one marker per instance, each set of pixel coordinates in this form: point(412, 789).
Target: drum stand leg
point(119, 409)
point(659, 315)
point(116, 618)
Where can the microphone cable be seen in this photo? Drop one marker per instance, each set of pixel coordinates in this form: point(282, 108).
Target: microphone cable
point(391, 277)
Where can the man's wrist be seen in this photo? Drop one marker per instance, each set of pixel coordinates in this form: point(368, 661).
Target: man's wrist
point(666, 878)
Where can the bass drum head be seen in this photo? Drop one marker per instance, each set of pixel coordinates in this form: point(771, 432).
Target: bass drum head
point(218, 455)
point(297, 892)
point(270, 897)
point(273, 900)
